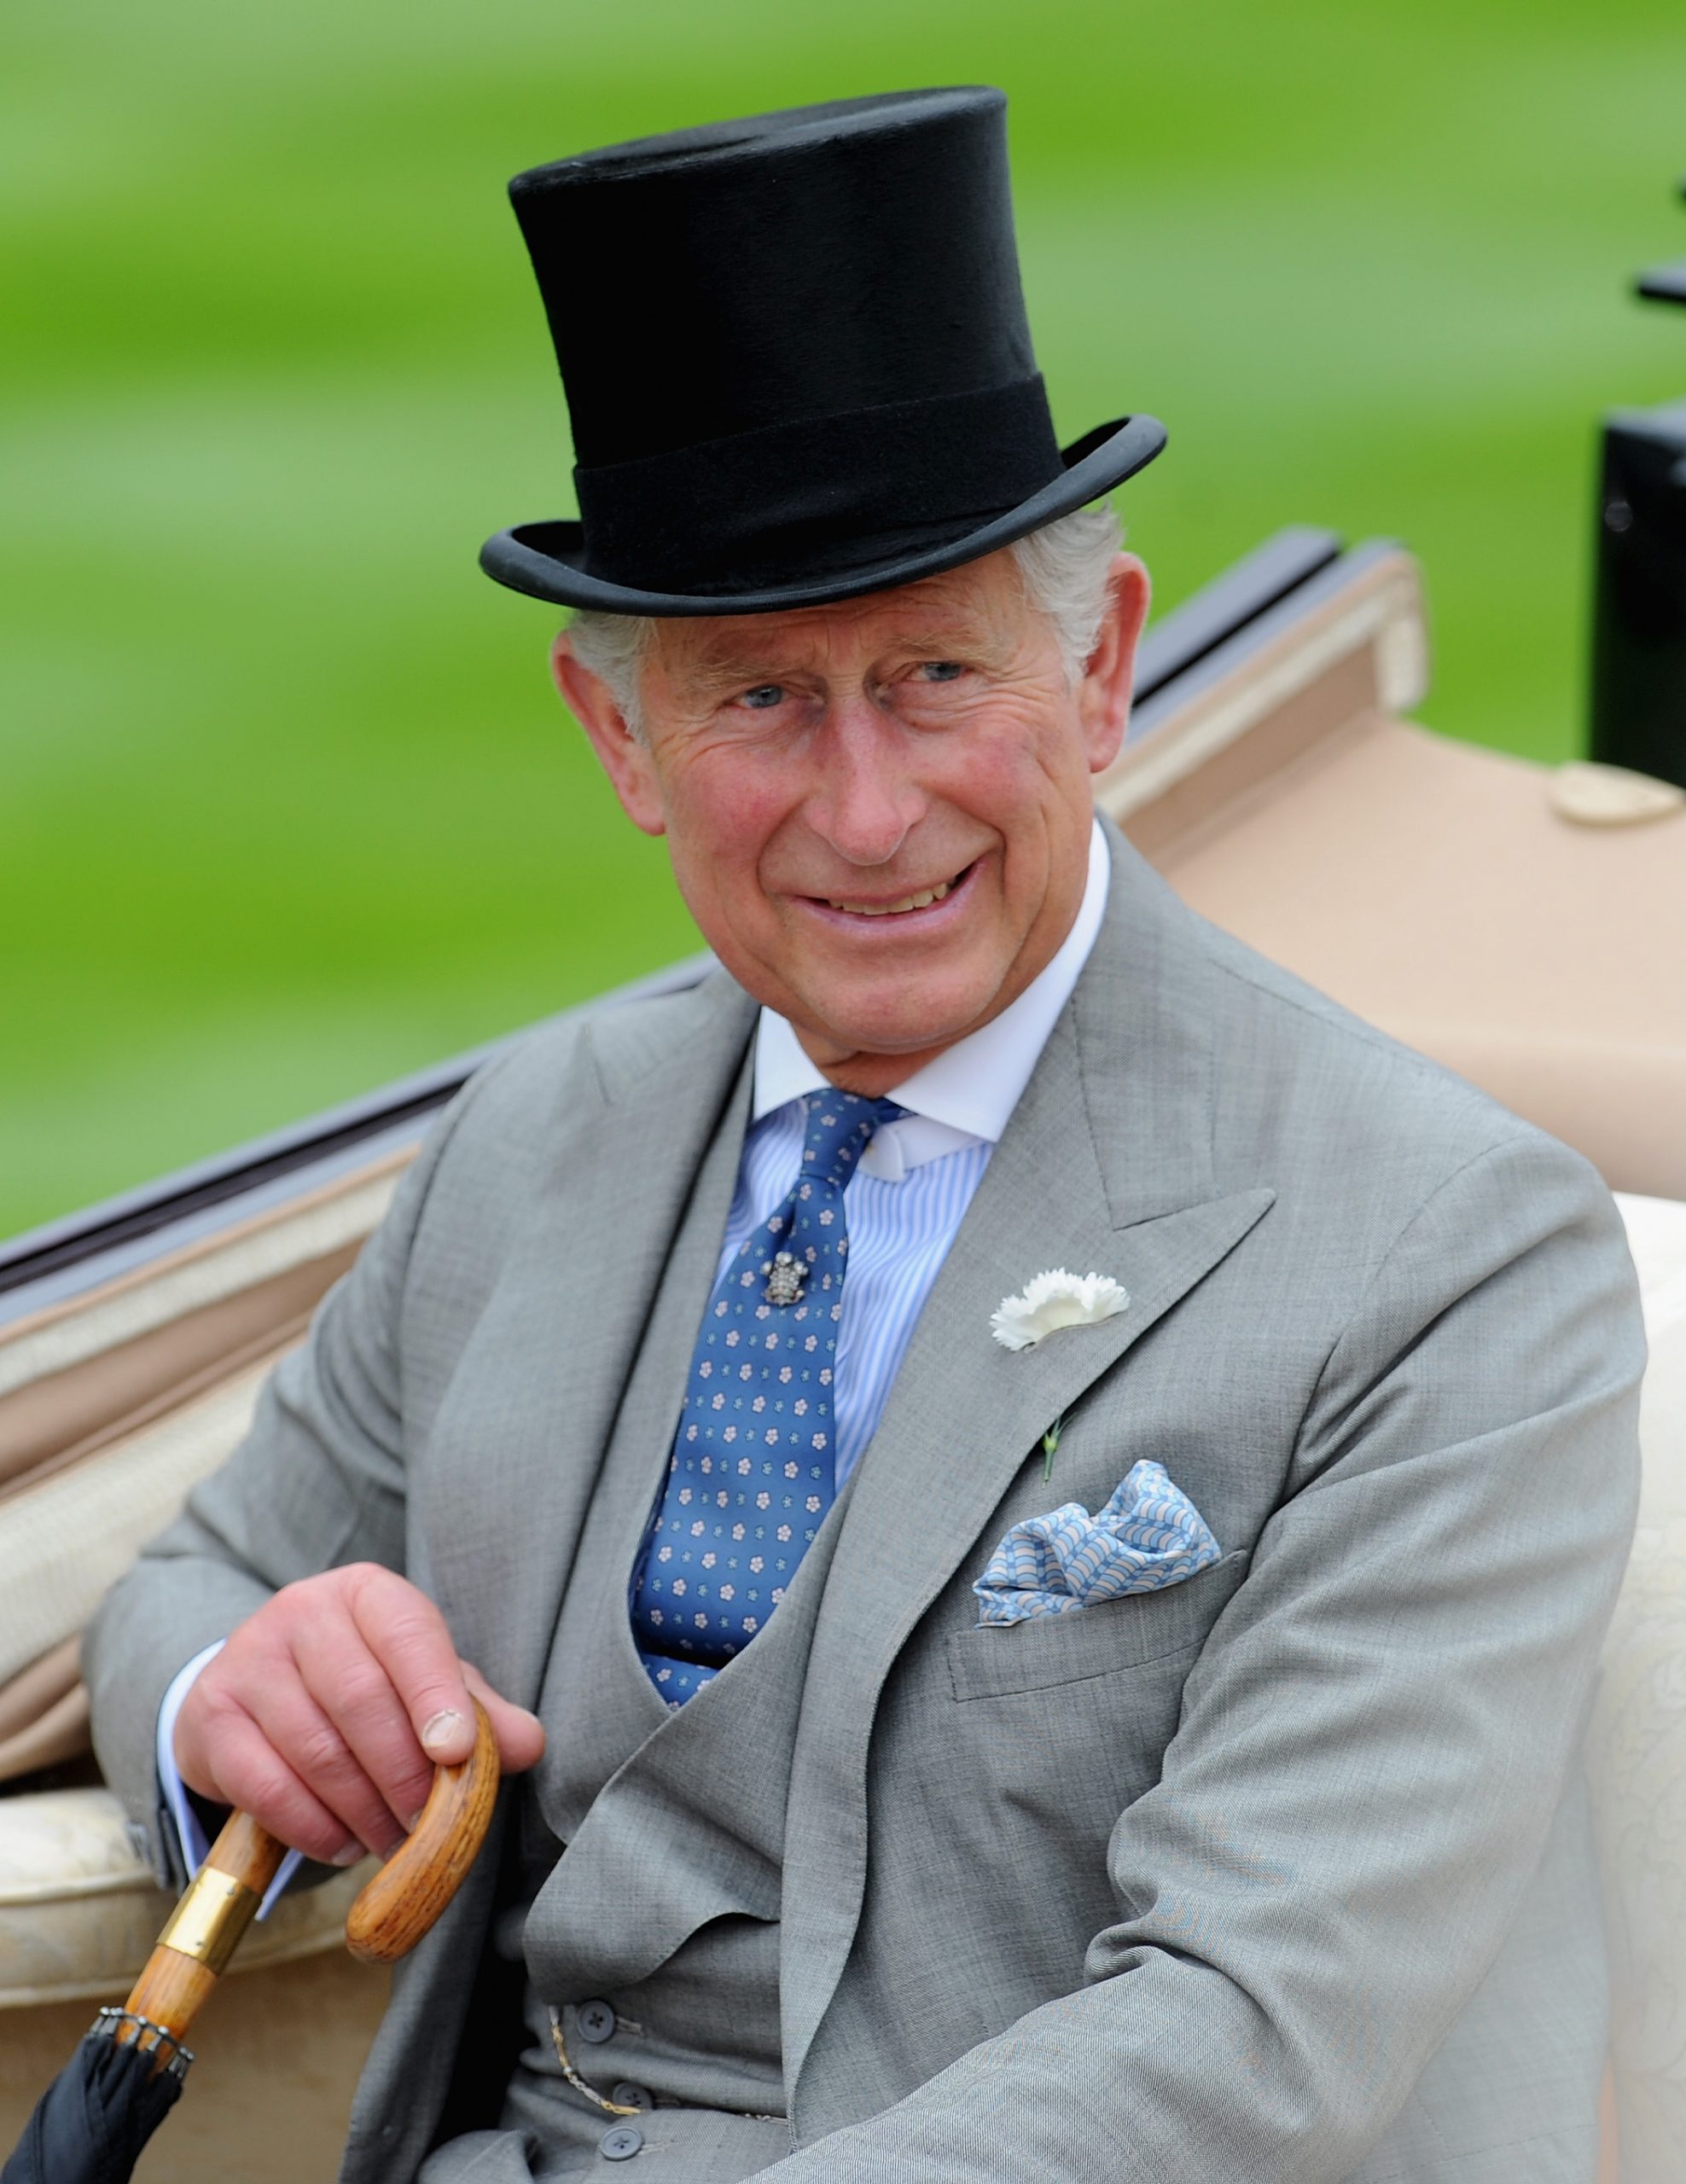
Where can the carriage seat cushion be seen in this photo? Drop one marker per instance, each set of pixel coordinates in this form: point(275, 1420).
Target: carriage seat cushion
point(80, 1909)
point(1637, 1746)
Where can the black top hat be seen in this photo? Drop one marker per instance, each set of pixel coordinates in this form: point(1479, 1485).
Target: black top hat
point(796, 357)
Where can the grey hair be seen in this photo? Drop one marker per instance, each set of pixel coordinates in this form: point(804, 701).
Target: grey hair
point(1065, 569)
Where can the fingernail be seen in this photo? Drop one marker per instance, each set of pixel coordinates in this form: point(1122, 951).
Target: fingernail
point(349, 1855)
point(442, 1729)
point(412, 1823)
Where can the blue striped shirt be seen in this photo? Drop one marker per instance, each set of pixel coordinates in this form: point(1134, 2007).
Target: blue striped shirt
point(899, 1234)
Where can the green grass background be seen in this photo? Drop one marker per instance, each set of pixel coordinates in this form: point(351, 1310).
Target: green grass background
point(287, 806)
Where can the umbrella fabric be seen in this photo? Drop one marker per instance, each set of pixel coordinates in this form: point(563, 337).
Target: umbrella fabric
point(90, 2125)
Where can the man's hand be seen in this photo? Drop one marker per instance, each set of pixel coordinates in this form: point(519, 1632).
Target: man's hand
point(327, 1711)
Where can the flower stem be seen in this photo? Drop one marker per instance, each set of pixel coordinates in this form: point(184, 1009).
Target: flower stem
point(1050, 1441)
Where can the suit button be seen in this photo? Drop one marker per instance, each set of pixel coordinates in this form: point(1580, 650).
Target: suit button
point(621, 2143)
point(628, 2095)
point(594, 2021)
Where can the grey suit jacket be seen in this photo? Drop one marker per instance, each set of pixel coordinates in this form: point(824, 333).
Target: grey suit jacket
point(1276, 1874)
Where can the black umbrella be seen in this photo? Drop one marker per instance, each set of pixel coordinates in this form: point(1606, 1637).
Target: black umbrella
point(92, 2121)
point(97, 2114)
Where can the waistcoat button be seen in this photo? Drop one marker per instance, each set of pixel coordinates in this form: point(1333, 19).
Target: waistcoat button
point(594, 2021)
point(628, 2095)
point(621, 2143)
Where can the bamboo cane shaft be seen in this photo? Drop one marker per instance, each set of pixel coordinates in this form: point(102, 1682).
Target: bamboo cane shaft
point(246, 1853)
point(172, 1989)
point(401, 1902)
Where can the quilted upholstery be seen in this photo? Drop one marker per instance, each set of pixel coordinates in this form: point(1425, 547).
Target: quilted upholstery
point(80, 1912)
point(1636, 1747)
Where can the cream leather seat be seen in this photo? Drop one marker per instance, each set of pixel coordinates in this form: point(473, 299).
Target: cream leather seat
point(1637, 1746)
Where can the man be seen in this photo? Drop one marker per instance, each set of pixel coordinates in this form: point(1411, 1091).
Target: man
point(1036, 1503)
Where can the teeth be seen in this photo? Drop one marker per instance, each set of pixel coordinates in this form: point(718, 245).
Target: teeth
point(894, 909)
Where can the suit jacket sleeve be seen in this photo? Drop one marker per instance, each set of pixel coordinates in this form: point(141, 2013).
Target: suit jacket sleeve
point(1373, 1740)
point(318, 1482)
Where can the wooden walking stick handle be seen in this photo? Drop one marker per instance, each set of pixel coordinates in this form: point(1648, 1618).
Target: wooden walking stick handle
point(391, 1914)
point(394, 1910)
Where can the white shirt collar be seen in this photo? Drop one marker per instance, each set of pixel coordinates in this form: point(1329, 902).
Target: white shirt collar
point(968, 1093)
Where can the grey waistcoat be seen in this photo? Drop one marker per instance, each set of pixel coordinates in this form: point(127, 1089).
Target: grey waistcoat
point(665, 1902)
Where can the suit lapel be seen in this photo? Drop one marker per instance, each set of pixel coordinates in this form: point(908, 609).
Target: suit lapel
point(1106, 1167)
point(518, 1451)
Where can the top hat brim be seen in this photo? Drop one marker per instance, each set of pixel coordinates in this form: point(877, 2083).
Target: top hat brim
point(546, 559)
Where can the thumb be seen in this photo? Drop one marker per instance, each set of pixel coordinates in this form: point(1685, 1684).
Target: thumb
point(519, 1734)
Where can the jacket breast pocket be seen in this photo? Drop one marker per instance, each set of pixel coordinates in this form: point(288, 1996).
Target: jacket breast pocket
point(994, 1660)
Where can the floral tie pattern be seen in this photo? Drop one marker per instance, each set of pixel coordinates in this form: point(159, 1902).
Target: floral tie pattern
point(751, 1475)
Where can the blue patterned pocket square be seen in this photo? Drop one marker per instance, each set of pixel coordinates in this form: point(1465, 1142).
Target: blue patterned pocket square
point(1149, 1535)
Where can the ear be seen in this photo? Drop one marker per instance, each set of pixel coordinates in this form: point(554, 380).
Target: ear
point(623, 758)
point(1103, 695)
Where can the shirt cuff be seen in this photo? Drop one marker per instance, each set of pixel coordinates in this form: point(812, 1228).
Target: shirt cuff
point(178, 1801)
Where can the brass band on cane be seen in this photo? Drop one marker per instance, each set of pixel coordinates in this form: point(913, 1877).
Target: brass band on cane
point(206, 1924)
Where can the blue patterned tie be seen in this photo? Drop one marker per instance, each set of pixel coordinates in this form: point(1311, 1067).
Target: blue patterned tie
point(752, 1474)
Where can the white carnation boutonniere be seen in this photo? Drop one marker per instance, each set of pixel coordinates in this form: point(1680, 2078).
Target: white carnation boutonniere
point(1055, 1299)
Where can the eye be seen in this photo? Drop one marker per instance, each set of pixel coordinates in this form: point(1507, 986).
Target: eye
point(764, 697)
point(941, 670)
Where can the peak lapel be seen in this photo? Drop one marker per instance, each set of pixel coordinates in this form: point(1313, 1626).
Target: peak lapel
point(1106, 1167)
point(653, 1112)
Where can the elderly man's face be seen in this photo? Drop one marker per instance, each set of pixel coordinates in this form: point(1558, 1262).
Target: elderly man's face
point(878, 812)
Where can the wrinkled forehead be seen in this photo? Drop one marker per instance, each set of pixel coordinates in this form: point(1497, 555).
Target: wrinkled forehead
point(977, 610)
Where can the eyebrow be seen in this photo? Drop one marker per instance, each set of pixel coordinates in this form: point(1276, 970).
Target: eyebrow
point(734, 668)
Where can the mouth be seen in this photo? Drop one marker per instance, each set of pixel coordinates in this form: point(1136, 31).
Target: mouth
point(921, 907)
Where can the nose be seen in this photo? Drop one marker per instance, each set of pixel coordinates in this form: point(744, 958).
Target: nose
point(864, 800)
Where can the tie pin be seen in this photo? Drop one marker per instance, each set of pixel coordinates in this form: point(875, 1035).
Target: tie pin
point(784, 1279)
